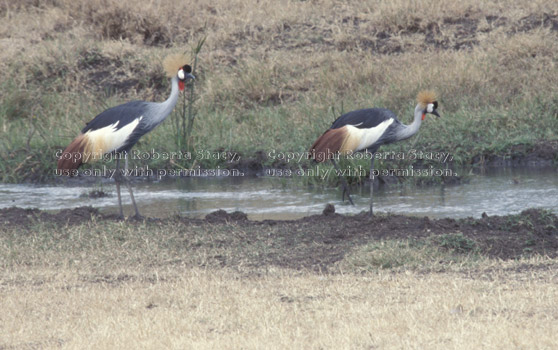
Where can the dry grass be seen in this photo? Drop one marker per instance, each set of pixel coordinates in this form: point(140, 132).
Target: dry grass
point(500, 307)
point(202, 285)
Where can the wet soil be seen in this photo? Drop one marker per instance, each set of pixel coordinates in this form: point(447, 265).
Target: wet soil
point(317, 242)
point(544, 153)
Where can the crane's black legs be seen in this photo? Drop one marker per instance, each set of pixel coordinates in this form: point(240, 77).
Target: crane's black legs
point(138, 216)
point(343, 182)
point(372, 186)
point(117, 179)
point(122, 177)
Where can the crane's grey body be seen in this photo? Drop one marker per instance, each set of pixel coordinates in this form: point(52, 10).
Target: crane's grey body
point(147, 115)
point(371, 118)
point(119, 128)
point(367, 130)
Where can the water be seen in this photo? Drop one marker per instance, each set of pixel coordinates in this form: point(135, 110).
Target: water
point(498, 192)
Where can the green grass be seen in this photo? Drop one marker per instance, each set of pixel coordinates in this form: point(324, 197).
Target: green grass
point(30, 142)
point(436, 253)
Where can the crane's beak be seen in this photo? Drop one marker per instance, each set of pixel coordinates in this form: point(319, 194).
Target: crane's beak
point(181, 82)
point(435, 112)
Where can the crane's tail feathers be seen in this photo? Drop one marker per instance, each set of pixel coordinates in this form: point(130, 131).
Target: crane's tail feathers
point(73, 156)
point(330, 144)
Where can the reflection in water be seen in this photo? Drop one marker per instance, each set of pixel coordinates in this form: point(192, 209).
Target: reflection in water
point(497, 192)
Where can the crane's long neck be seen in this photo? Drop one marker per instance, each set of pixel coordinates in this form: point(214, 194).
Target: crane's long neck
point(163, 109)
point(409, 130)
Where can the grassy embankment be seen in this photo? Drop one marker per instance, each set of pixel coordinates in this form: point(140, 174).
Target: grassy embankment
point(273, 76)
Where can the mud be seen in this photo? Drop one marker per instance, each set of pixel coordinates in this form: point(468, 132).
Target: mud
point(541, 154)
point(317, 242)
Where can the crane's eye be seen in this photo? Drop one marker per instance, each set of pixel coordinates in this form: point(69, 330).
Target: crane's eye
point(187, 68)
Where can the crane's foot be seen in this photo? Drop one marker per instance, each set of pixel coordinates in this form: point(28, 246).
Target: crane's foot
point(343, 182)
point(137, 217)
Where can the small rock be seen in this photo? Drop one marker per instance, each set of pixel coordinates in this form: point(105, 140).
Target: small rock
point(329, 209)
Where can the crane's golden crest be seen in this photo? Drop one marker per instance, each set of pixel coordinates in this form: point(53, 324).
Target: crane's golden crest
point(173, 62)
point(426, 97)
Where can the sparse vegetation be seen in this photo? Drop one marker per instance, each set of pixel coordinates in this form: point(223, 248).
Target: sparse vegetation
point(419, 255)
point(76, 279)
point(456, 243)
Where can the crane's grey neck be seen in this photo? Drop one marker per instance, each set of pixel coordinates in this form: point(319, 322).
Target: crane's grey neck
point(163, 109)
point(409, 130)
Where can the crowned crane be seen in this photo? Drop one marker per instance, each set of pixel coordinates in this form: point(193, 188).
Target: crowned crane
point(367, 130)
point(117, 129)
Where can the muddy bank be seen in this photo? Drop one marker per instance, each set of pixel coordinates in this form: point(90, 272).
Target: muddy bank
point(317, 242)
point(541, 154)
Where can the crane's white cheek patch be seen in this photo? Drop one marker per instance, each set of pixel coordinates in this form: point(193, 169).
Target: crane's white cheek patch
point(360, 139)
point(430, 108)
point(107, 139)
point(181, 74)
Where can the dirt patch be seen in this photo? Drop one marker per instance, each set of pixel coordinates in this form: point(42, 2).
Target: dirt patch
point(27, 218)
point(450, 33)
point(221, 216)
point(317, 242)
point(534, 21)
point(105, 74)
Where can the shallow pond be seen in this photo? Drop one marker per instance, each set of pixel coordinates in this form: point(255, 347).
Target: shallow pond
point(496, 192)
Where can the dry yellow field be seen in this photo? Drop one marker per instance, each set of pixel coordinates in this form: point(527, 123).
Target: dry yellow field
point(504, 306)
point(77, 279)
point(80, 280)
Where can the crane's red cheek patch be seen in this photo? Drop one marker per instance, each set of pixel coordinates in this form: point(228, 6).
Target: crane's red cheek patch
point(423, 116)
point(181, 86)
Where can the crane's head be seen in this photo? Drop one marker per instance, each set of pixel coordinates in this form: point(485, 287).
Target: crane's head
point(176, 65)
point(428, 104)
point(184, 73)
